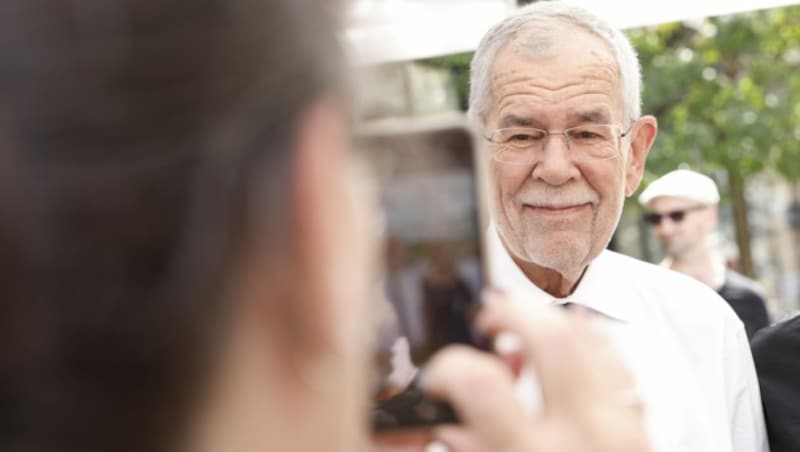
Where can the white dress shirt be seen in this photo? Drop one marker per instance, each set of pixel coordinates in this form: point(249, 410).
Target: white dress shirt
point(685, 347)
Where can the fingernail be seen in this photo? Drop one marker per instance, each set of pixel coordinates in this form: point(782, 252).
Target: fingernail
point(507, 343)
point(436, 446)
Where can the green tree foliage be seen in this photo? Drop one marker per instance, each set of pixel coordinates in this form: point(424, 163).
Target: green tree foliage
point(458, 66)
point(725, 92)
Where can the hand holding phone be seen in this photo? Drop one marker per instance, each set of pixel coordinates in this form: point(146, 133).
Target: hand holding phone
point(584, 385)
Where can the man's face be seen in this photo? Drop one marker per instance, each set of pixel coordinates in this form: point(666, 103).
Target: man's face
point(686, 233)
point(559, 212)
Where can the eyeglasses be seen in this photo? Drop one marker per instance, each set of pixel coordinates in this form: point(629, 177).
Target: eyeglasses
point(676, 216)
point(522, 145)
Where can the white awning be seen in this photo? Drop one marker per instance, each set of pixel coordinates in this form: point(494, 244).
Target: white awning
point(631, 13)
point(399, 30)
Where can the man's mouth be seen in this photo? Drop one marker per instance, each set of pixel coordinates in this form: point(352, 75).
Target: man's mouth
point(558, 209)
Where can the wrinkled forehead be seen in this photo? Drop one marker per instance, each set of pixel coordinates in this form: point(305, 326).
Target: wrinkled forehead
point(555, 56)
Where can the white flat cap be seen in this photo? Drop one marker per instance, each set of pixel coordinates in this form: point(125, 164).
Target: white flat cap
point(682, 183)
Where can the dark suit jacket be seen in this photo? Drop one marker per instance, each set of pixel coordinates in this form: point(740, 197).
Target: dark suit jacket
point(744, 297)
point(776, 351)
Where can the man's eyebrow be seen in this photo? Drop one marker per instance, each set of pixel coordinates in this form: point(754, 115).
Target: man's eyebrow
point(594, 116)
point(517, 121)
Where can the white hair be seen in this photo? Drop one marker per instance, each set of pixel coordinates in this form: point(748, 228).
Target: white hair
point(540, 21)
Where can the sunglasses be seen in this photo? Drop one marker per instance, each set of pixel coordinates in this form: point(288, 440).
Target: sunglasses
point(676, 215)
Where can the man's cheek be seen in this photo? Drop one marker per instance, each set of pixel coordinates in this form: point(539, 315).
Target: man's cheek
point(514, 176)
point(510, 187)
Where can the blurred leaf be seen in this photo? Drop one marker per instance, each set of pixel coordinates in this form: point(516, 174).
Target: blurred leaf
point(734, 104)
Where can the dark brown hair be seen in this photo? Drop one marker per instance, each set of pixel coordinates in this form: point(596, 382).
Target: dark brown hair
point(133, 135)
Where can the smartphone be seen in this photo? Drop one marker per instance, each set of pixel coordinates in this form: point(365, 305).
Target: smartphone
point(429, 181)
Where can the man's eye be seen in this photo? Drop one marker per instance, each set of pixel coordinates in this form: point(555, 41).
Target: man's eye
point(586, 134)
point(521, 137)
point(525, 137)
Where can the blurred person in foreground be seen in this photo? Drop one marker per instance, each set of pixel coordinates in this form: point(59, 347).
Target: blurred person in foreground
point(184, 258)
point(682, 208)
point(776, 350)
point(556, 92)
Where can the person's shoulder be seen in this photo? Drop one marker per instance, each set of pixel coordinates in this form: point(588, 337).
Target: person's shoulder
point(775, 351)
point(674, 291)
point(779, 336)
point(631, 265)
point(737, 283)
point(647, 275)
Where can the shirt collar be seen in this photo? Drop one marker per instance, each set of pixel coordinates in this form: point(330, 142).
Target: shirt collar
point(601, 288)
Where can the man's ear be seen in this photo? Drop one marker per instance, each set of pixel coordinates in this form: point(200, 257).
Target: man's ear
point(642, 137)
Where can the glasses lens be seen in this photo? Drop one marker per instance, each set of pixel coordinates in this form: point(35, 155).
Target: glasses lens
point(521, 138)
point(520, 145)
point(677, 216)
point(595, 140)
point(653, 218)
point(517, 145)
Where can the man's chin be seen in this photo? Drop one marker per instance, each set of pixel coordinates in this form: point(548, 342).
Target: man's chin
point(564, 259)
point(556, 251)
point(676, 250)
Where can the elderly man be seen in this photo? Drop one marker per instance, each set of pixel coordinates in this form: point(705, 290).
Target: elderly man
point(556, 93)
point(682, 209)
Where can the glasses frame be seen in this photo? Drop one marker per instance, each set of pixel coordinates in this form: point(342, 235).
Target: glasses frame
point(676, 216)
point(565, 134)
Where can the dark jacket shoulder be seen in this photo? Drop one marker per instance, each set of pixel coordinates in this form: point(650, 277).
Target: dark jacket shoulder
point(745, 297)
point(776, 350)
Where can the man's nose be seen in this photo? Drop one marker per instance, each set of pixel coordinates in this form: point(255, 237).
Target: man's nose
point(556, 164)
point(665, 227)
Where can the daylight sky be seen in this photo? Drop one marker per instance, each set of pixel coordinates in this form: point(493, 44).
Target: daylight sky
point(397, 30)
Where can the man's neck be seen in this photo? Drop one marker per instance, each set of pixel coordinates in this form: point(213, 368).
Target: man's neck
point(702, 263)
point(551, 281)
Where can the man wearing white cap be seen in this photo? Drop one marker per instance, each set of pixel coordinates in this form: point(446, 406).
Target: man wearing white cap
point(682, 209)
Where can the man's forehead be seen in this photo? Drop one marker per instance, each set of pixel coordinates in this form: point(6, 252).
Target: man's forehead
point(568, 69)
point(561, 38)
point(581, 115)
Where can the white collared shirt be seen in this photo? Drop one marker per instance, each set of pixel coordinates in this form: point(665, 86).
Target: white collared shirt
point(686, 348)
